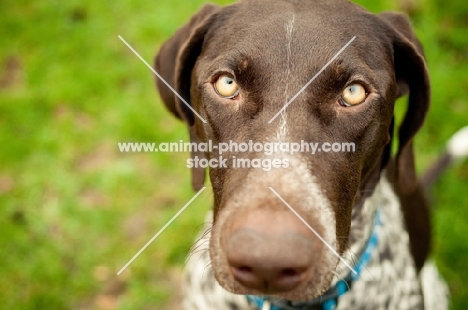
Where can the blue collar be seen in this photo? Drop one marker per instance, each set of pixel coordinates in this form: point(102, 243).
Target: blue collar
point(329, 300)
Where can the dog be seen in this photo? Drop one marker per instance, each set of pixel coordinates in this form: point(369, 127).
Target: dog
point(336, 230)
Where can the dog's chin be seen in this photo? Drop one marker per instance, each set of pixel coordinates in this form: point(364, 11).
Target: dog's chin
point(320, 277)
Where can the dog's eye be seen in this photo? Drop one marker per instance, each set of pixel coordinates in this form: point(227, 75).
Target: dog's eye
point(226, 87)
point(353, 95)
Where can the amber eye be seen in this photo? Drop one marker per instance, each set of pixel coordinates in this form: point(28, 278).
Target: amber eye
point(353, 95)
point(226, 87)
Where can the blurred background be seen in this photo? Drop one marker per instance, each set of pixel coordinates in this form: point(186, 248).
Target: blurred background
point(73, 210)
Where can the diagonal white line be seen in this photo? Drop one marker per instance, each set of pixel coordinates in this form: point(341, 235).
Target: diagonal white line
point(311, 80)
point(161, 78)
point(266, 305)
point(161, 230)
point(313, 230)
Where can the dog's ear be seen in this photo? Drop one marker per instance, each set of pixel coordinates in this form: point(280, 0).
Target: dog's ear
point(176, 59)
point(412, 77)
point(174, 63)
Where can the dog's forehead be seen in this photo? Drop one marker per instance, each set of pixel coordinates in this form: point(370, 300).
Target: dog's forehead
point(308, 20)
point(302, 31)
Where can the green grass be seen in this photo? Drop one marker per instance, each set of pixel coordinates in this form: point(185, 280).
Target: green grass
point(73, 210)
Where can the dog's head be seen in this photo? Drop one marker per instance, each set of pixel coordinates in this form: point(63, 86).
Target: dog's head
point(237, 66)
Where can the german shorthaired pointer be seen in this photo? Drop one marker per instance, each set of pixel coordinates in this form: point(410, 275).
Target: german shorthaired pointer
point(365, 235)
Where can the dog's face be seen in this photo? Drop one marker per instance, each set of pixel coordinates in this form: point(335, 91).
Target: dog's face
point(239, 66)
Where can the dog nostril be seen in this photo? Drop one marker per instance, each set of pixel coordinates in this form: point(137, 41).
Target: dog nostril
point(293, 271)
point(290, 277)
point(246, 275)
point(243, 273)
point(288, 272)
point(245, 269)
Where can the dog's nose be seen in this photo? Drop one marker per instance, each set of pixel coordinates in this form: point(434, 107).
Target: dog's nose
point(269, 259)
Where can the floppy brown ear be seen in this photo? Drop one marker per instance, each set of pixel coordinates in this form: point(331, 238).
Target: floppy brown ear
point(174, 63)
point(412, 76)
